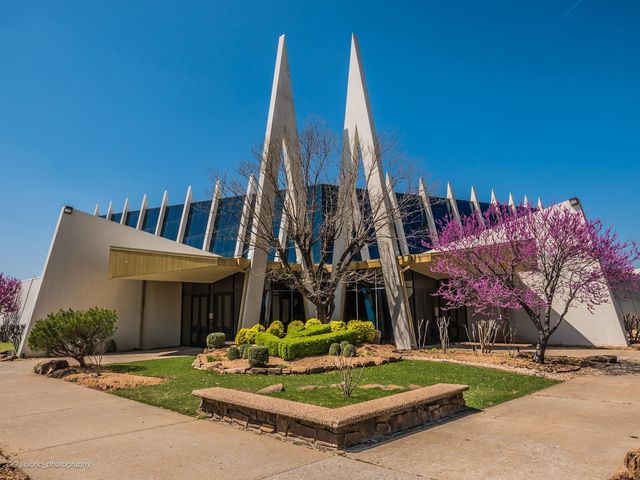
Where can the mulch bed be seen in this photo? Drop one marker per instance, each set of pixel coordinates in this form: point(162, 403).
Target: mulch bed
point(106, 381)
point(369, 355)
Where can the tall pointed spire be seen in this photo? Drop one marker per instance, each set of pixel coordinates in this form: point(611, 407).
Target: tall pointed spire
point(494, 199)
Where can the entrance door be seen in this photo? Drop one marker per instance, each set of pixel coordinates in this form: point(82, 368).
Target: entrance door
point(199, 319)
point(223, 313)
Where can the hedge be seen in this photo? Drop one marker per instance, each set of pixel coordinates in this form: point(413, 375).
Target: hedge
point(270, 341)
point(366, 330)
point(310, 331)
point(291, 348)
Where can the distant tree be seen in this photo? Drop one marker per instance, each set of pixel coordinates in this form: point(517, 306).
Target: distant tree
point(10, 330)
point(541, 261)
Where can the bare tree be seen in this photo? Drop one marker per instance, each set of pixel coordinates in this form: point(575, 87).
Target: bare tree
point(443, 332)
point(316, 201)
point(346, 372)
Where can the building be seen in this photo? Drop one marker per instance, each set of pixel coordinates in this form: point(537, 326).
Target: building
point(176, 272)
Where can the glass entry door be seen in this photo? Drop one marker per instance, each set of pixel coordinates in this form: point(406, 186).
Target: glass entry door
point(199, 319)
point(222, 320)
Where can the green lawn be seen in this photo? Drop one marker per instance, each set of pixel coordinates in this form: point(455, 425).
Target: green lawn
point(5, 346)
point(488, 387)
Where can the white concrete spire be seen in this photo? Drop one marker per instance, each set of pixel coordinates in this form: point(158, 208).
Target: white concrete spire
point(244, 218)
point(109, 211)
point(453, 203)
point(540, 206)
point(125, 211)
point(143, 211)
point(525, 201)
point(163, 210)
point(494, 199)
point(213, 211)
point(402, 239)
point(96, 211)
point(185, 215)
point(476, 204)
point(426, 204)
point(512, 202)
point(360, 137)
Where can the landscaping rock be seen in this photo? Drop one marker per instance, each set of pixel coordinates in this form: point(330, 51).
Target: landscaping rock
point(46, 367)
point(632, 462)
point(369, 386)
point(7, 356)
point(413, 386)
point(278, 387)
point(307, 388)
point(63, 372)
point(235, 371)
point(393, 387)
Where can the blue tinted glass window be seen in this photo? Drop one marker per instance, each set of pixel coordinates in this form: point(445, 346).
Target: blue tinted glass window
point(171, 222)
point(414, 220)
point(151, 219)
point(484, 206)
point(197, 224)
point(132, 218)
point(227, 223)
point(464, 208)
point(116, 217)
point(440, 210)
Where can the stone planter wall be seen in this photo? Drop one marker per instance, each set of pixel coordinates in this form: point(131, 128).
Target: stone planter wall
point(338, 428)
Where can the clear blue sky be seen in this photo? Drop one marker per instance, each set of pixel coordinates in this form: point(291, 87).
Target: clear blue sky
point(105, 100)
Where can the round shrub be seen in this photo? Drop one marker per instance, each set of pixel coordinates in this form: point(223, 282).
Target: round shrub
point(216, 340)
point(258, 356)
point(295, 325)
point(248, 335)
point(335, 349)
point(337, 325)
point(276, 328)
point(365, 329)
point(349, 351)
point(343, 344)
point(233, 353)
point(311, 322)
point(244, 350)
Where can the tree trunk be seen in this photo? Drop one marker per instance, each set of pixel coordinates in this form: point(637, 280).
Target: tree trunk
point(321, 312)
point(541, 348)
point(81, 361)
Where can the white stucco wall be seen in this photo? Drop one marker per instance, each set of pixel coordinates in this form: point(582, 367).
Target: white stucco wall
point(76, 276)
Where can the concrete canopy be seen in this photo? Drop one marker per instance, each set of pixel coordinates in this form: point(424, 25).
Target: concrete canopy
point(138, 264)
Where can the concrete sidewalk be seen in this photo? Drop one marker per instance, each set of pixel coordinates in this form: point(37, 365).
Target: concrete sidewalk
point(580, 429)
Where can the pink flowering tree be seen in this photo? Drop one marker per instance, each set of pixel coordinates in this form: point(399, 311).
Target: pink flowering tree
point(541, 261)
point(9, 295)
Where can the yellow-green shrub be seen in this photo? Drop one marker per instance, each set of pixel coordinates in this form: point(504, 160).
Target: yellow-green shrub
point(276, 328)
point(365, 329)
point(248, 335)
point(295, 325)
point(337, 325)
point(291, 348)
point(311, 322)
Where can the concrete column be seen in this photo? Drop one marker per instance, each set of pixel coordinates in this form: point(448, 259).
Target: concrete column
point(244, 219)
point(213, 211)
point(109, 211)
point(125, 210)
point(476, 204)
point(402, 239)
point(96, 211)
point(185, 215)
point(452, 202)
point(143, 211)
point(426, 203)
point(163, 209)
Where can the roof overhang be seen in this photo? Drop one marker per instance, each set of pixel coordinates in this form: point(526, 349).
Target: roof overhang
point(138, 264)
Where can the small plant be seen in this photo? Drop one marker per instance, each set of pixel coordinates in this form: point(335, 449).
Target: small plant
point(213, 358)
point(295, 326)
point(311, 322)
point(258, 356)
point(345, 370)
point(233, 353)
point(276, 328)
point(443, 332)
point(244, 350)
point(100, 347)
point(335, 349)
point(349, 351)
point(216, 340)
point(248, 335)
point(484, 332)
point(631, 323)
point(423, 332)
point(73, 333)
point(337, 325)
point(365, 329)
point(343, 344)
point(11, 332)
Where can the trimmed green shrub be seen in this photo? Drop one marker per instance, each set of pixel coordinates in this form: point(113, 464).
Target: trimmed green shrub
point(343, 344)
point(366, 330)
point(233, 353)
point(258, 356)
point(335, 349)
point(310, 331)
point(270, 341)
point(295, 325)
point(73, 333)
point(244, 350)
point(337, 325)
point(276, 328)
point(298, 347)
point(312, 321)
point(216, 340)
point(248, 335)
point(349, 351)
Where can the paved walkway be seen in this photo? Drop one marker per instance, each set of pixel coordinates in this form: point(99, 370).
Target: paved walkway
point(579, 429)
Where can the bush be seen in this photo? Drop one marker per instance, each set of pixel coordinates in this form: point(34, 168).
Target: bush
point(244, 350)
point(233, 353)
point(311, 322)
point(258, 356)
point(337, 325)
point(248, 335)
point(349, 351)
point(73, 333)
point(335, 349)
point(216, 340)
point(310, 331)
point(111, 346)
point(298, 347)
point(270, 341)
point(276, 328)
point(366, 330)
point(295, 325)
point(343, 344)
